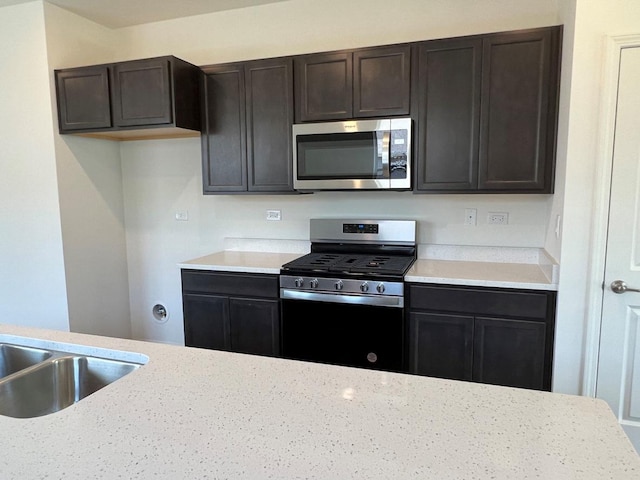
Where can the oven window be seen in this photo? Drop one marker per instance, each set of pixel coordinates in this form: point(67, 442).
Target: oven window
point(342, 334)
point(340, 156)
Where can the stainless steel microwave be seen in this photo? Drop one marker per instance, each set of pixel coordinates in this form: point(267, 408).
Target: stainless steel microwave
point(352, 155)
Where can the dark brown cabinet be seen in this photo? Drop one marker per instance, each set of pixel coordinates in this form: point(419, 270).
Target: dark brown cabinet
point(84, 100)
point(487, 335)
point(156, 97)
point(487, 112)
point(363, 83)
point(448, 105)
point(141, 93)
point(246, 137)
point(231, 311)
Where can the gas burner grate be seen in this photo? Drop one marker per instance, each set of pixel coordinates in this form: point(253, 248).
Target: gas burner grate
point(382, 264)
point(351, 264)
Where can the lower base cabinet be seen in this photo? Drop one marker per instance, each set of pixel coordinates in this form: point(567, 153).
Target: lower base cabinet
point(231, 311)
point(486, 335)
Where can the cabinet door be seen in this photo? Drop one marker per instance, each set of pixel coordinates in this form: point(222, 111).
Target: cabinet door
point(224, 157)
point(517, 126)
point(83, 98)
point(449, 74)
point(255, 326)
point(206, 321)
point(510, 352)
point(381, 81)
point(441, 345)
point(142, 93)
point(324, 87)
point(269, 118)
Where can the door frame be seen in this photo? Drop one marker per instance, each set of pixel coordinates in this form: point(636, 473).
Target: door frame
point(602, 192)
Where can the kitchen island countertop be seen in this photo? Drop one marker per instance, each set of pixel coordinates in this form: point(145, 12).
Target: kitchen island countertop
point(192, 413)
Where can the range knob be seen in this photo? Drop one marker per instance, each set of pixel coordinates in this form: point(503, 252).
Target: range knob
point(380, 288)
point(339, 285)
point(299, 282)
point(314, 283)
point(364, 288)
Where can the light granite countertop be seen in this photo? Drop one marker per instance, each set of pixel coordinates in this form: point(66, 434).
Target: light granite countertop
point(195, 414)
point(485, 274)
point(454, 265)
point(234, 261)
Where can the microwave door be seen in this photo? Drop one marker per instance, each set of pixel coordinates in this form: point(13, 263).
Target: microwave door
point(342, 161)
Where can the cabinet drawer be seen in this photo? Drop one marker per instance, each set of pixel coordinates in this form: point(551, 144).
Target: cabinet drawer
point(476, 301)
point(230, 283)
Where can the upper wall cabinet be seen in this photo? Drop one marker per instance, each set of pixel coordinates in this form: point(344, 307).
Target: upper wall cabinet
point(487, 112)
point(363, 83)
point(156, 97)
point(246, 137)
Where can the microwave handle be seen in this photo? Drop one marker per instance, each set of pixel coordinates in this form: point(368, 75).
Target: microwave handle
point(386, 137)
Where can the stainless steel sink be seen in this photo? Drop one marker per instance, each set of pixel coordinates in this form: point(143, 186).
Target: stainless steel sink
point(58, 384)
point(36, 380)
point(14, 358)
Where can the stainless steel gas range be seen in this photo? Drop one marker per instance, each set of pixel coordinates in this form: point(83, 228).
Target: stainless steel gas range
point(343, 303)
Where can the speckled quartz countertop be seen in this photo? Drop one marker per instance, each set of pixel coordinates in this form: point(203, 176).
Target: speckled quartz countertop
point(196, 414)
point(486, 274)
point(522, 268)
point(233, 261)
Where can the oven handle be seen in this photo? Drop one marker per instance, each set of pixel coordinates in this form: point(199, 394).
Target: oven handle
point(376, 301)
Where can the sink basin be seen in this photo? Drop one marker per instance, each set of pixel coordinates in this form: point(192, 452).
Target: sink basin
point(58, 383)
point(14, 358)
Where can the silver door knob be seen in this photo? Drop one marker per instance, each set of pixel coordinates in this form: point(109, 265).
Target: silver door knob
point(618, 286)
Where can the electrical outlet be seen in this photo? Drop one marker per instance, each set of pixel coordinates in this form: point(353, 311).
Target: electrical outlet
point(182, 216)
point(470, 216)
point(496, 218)
point(274, 215)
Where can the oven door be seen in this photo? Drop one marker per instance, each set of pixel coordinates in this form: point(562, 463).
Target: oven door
point(350, 334)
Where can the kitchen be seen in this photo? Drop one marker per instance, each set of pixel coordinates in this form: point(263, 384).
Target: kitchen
point(129, 193)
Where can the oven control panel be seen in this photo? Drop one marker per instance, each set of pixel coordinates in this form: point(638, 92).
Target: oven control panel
point(389, 232)
point(360, 228)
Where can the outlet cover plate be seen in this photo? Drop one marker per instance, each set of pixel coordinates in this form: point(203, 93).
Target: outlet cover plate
point(498, 218)
point(274, 215)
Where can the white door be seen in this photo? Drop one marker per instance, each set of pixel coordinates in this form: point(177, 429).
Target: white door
point(618, 380)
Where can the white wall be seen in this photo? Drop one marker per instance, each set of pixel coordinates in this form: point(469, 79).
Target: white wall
point(593, 21)
point(90, 191)
point(32, 277)
point(162, 177)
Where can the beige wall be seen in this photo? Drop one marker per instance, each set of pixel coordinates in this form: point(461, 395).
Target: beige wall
point(90, 191)
point(32, 277)
point(580, 280)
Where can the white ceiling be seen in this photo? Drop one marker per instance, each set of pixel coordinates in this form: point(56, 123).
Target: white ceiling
point(124, 13)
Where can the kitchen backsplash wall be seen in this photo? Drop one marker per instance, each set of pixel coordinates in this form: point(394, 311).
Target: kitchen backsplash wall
point(162, 178)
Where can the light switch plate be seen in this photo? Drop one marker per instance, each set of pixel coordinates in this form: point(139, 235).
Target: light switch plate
point(470, 216)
